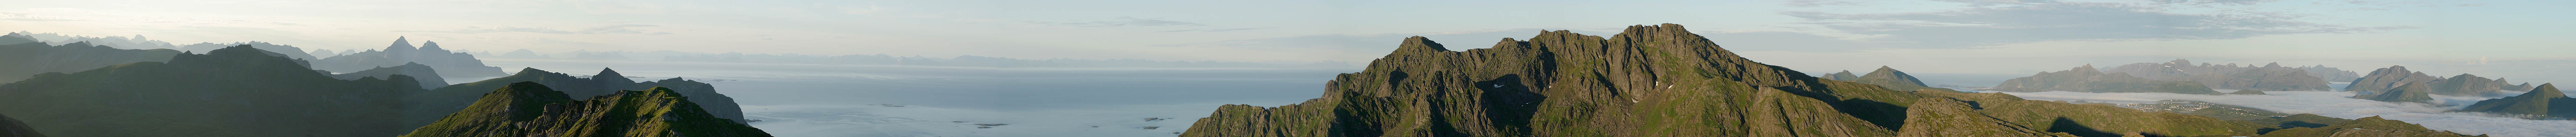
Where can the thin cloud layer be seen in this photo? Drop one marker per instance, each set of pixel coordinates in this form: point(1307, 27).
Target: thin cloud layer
point(610, 29)
point(1991, 22)
point(1123, 22)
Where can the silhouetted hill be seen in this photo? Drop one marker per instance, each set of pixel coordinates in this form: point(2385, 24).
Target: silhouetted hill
point(10, 127)
point(427, 76)
point(28, 58)
point(1846, 75)
point(238, 91)
point(2384, 79)
point(531, 109)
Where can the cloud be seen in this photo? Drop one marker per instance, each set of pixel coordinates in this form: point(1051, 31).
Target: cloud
point(1123, 21)
point(1816, 3)
point(13, 16)
point(610, 29)
point(1214, 30)
point(2205, 2)
point(2037, 21)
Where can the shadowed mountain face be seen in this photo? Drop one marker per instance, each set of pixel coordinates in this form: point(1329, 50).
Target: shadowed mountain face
point(426, 107)
point(533, 110)
point(2086, 79)
point(288, 51)
point(1657, 81)
point(2403, 93)
point(2386, 79)
point(453, 64)
point(2545, 101)
point(238, 91)
point(12, 128)
point(2272, 77)
point(28, 57)
point(428, 77)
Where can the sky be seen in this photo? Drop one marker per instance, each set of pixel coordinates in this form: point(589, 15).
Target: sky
point(1920, 36)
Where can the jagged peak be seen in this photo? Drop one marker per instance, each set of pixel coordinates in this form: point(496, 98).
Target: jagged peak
point(400, 43)
point(429, 45)
point(2272, 65)
point(1419, 44)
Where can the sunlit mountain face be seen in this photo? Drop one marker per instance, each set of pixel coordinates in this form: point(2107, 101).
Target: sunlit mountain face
point(1123, 68)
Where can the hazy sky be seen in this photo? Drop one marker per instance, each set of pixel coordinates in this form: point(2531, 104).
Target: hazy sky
point(1937, 36)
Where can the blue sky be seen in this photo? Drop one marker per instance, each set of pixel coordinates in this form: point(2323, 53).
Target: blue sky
point(1934, 36)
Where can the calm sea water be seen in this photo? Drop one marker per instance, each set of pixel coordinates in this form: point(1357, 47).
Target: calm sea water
point(804, 100)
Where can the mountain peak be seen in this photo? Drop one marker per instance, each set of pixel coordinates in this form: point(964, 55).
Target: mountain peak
point(2546, 90)
point(2272, 65)
point(610, 76)
point(400, 43)
point(2180, 61)
point(431, 46)
point(1419, 44)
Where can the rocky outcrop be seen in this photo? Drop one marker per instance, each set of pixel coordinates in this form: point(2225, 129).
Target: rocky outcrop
point(528, 109)
point(2272, 76)
point(27, 57)
point(238, 91)
point(2462, 85)
point(429, 106)
point(2331, 74)
point(2087, 79)
point(1647, 81)
point(1846, 75)
point(2403, 93)
point(2365, 127)
point(2545, 101)
point(427, 76)
point(450, 64)
point(12, 128)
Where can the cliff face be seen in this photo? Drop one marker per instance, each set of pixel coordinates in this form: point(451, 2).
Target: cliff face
point(2087, 79)
point(2272, 77)
point(1646, 81)
point(427, 107)
point(28, 57)
point(1846, 75)
point(12, 128)
point(2545, 101)
point(237, 91)
point(528, 109)
point(428, 77)
point(2462, 85)
point(454, 64)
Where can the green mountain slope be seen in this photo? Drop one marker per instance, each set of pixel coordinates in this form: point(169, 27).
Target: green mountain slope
point(2365, 127)
point(428, 77)
point(1650, 81)
point(2086, 79)
point(528, 109)
point(2545, 100)
point(1892, 79)
point(426, 107)
point(237, 91)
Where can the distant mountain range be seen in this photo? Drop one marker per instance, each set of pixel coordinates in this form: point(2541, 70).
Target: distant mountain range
point(29, 57)
point(2544, 101)
point(2385, 79)
point(2087, 79)
point(449, 63)
point(2270, 77)
point(1662, 80)
point(883, 59)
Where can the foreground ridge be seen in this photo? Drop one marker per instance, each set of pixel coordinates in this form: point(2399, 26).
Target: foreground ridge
point(1659, 80)
point(528, 109)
